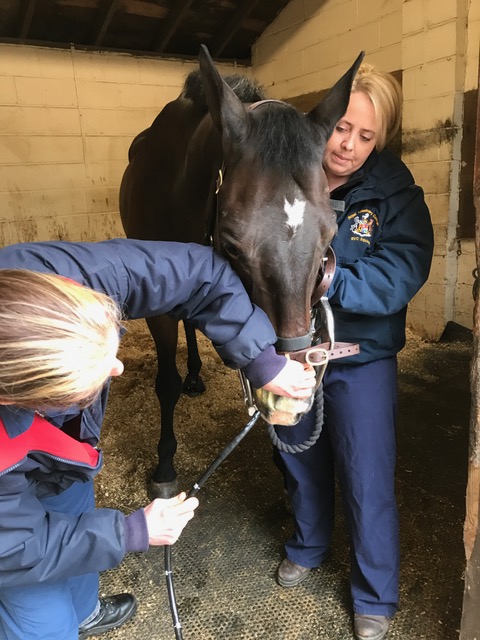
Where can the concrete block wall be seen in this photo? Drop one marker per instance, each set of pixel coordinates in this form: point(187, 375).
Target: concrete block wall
point(435, 45)
point(67, 119)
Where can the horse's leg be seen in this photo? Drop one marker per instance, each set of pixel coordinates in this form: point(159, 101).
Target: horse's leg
point(193, 385)
point(168, 386)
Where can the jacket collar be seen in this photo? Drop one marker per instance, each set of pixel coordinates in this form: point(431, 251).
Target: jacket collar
point(15, 419)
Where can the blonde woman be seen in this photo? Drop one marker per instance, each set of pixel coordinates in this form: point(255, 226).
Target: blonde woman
point(61, 311)
point(384, 249)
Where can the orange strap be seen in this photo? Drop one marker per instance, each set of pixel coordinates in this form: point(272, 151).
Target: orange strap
point(44, 437)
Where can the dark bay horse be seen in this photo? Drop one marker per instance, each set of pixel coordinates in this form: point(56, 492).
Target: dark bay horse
point(222, 164)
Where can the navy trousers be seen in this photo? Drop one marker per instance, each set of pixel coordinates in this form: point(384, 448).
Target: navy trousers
point(52, 610)
point(357, 445)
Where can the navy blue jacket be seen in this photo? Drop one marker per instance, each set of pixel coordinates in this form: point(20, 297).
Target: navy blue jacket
point(146, 279)
point(384, 249)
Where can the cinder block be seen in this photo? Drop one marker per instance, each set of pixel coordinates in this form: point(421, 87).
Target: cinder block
point(441, 42)
point(15, 205)
point(38, 177)
point(263, 75)
point(437, 271)
point(438, 12)
point(288, 67)
point(39, 120)
point(57, 201)
point(370, 10)
point(168, 73)
point(8, 91)
point(112, 122)
point(146, 96)
point(14, 149)
point(434, 177)
point(366, 38)
point(101, 200)
point(49, 149)
point(269, 47)
point(439, 207)
point(331, 19)
point(390, 29)
point(322, 55)
point(101, 148)
point(466, 263)
point(413, 17)
point(107, 67)
point(49, 92)
point(35, 62)
point(429, 116)
point(98, 95)
point(105, 174)
point(413, 53)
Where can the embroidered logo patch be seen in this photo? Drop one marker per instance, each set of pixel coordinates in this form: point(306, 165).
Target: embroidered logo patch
point(364, 222)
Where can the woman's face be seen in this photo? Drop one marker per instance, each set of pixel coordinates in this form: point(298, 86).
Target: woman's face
point(352, 140)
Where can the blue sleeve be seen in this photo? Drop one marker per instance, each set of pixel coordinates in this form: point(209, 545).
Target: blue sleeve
point(148, 278)
point(384, 281)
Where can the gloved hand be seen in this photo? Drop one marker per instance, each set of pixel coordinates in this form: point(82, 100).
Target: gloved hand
point(295, 380)
point(166, 519)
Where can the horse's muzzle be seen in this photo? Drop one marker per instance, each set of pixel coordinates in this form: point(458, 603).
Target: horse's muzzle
point(288, 411)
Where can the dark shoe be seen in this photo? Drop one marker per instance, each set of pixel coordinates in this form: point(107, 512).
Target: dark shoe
point(290, 574)
point(368, 627)
point(113, 612)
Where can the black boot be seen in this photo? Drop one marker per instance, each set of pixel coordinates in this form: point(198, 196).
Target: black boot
point(113, 612)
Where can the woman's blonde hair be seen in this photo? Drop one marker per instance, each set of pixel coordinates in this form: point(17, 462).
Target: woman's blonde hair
point(386, 95)
point(58, 340)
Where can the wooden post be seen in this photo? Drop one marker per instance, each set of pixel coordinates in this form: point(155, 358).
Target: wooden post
point(470, 626)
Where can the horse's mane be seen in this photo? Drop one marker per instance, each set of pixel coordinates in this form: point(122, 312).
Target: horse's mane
point(246, 89)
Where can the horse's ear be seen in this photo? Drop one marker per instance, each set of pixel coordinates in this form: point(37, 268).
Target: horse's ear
point(226, 109)
point(333, 106)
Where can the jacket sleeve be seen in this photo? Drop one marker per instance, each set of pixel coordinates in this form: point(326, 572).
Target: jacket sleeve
point(148, 278)
point(39, 546)
point(384, 281)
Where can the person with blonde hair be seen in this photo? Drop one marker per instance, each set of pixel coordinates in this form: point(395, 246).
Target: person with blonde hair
point(383, 248)
point(61, 311)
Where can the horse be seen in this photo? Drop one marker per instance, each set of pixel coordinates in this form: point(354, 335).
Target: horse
point(224, 165)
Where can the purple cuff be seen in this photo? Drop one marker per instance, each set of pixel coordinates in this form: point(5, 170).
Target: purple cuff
point(265, 367)
point(136, 532)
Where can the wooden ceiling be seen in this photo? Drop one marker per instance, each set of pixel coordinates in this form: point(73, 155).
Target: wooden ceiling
point(169, 28)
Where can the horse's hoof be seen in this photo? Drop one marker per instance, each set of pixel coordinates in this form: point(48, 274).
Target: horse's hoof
point(193, 386)
point(162, 489)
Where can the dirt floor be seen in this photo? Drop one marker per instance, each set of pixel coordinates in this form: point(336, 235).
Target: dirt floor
point(224, 564)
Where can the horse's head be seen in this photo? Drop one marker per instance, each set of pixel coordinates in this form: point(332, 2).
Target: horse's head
point(274, 221)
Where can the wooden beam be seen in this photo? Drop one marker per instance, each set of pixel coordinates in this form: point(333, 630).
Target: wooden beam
point(173, 20)
point(27, 18)
point(232, 27)
point(103, 23)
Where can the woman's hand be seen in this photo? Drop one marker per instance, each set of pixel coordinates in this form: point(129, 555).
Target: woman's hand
point(295, 380)
point(166, 519)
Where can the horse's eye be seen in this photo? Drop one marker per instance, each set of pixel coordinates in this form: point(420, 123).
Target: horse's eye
point(231, 251)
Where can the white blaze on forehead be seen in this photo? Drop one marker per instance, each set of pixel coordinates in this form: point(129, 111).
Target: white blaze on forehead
point(294, 212)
